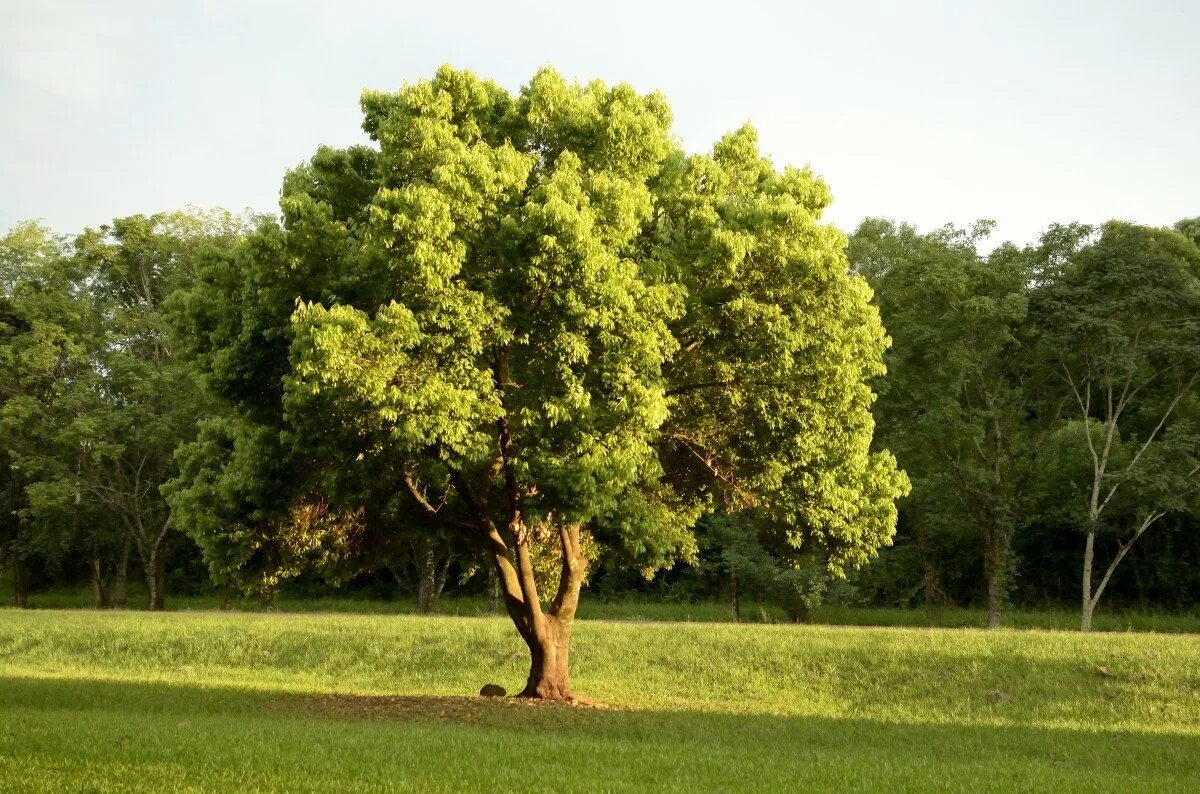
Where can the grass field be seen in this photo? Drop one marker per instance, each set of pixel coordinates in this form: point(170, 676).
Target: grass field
point(104, 701)
point(648, 609)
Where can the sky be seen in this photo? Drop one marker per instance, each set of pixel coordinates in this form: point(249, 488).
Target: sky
point(1026, 113)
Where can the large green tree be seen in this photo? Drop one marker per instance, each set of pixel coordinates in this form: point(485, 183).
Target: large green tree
point(548, 328)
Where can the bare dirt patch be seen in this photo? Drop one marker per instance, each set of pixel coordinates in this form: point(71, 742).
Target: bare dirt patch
point(445, 709)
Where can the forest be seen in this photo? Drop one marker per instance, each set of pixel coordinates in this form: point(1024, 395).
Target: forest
point(202, 402)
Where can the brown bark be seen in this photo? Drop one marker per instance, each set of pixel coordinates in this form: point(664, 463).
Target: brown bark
point(549, 668)
point(550, 640)
point(99, 592)
point(431, 576)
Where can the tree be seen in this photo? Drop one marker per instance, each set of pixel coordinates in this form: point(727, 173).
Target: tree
point(108, 427)
point(40, 316)
point(954, 405)
point(547, 327)
point(1119, 324)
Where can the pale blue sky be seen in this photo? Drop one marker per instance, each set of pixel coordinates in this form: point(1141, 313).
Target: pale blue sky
point(1025, 112)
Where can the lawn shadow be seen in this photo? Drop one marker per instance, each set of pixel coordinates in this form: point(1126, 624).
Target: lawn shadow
point(429, 738)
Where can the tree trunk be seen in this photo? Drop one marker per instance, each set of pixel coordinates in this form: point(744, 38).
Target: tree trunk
point(121, 578)
point(928, 577)
point(156, 576)
point(493, 592)
point(549, 670)
point(426, 577)
point(547, 634)
point(995, 570)
point(20, 584)
point(99, 591)
point(735, 606)
point(1089, 552)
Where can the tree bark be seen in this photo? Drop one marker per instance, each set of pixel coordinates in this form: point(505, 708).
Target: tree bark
point(20, 584)
point(547, 633)
point(1089, 553)
point(426, 577)
point(549, 640)
point(995, 565)
point(549, 668)
point(99, 591)
point(156, 576)
point(735, 606)
point(121, 578)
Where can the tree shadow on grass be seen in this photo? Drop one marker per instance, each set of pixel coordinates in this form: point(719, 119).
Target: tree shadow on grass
point(225, 736)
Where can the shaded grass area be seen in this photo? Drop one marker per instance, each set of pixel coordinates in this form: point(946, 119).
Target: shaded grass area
point(647, 609)
point(136, 701)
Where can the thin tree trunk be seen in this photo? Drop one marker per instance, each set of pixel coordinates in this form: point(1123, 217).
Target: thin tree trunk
point(121, 578)
point(493, 591)
point(735, 606)
point(99, 591)
point(20, 584)
point(1089, 552)
point(156, 580)
point(928, 578)
point(426, 575)
point(156, 573)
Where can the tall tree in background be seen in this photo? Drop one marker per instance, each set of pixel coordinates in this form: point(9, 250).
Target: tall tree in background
point(1119, 326)
point(42, 319)
point(547, 328)
point(107, 426)
point(954, 406)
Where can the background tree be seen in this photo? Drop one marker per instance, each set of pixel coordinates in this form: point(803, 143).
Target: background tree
point(1119, 325)
point(108, 428)
point(954, 406)
point(41, 317)
point(543, 323)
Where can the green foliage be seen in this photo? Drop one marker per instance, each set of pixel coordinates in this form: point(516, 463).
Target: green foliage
point(533, 310)
point(954, 406)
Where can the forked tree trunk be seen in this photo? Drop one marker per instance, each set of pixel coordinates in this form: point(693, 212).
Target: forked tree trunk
point(549, 634)
point(546, 633)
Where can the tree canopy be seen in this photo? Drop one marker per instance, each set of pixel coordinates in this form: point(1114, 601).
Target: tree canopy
point(534, 317)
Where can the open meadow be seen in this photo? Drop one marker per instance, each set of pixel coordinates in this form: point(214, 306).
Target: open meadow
point(204, 701)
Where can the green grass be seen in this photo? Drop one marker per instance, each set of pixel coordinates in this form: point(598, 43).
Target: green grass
point(647, 609)
point(110, 701)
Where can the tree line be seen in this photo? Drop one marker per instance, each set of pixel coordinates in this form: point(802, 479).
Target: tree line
point(524, 342)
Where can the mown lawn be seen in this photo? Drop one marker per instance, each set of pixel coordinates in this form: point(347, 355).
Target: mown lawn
point(644, 608)
point(103, 701)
